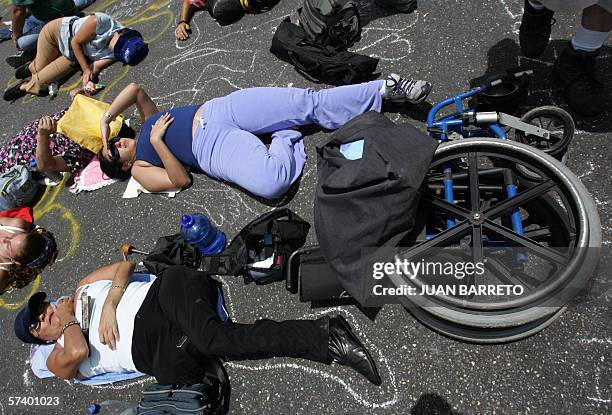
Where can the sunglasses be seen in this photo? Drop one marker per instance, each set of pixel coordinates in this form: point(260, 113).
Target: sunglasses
point(40, 309)
point(112, 149)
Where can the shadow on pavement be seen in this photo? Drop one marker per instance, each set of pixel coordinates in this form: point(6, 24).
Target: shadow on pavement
point(544, 88)
point(432, 404)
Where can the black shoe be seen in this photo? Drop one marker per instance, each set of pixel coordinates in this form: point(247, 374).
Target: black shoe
point(402, 6)
point(576, 70)
point(23, 71)
point(20, 58)
point(14, 93)
point(534, 32)
point(347, 350)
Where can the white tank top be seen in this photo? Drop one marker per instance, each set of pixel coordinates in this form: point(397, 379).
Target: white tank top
point(101, 358)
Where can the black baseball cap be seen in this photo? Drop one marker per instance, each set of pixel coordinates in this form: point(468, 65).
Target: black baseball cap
point(28, 316)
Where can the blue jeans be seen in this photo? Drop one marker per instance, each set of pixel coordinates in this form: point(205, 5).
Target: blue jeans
point(31, 29)
point(226, 145)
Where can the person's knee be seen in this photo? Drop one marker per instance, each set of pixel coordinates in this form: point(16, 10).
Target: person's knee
point(27, 42)
point(272, 189)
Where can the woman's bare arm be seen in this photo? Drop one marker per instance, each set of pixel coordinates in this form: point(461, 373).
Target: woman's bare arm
point(86, 32)
point(130, 95)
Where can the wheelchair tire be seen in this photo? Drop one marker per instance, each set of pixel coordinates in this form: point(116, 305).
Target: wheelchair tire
point(518, 318)
point(549, 117)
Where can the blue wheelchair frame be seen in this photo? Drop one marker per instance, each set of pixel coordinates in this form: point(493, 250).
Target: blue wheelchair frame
point(455, 122)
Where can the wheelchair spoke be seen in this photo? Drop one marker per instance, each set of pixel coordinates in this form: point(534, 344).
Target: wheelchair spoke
point(440, 240)
point(518, 200)
point(477, 255)
point(530, 244)
point(446, 207)
point(474, 183)
point(502, 272)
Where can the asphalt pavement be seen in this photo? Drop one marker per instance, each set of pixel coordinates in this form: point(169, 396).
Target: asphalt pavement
point(564, 369)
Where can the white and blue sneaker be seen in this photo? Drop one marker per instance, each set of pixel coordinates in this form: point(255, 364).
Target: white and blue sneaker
point(400, 90)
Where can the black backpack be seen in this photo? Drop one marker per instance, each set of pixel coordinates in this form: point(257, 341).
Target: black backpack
point(319, 63)
point(209, 397)
point(332, 23)
point(260, 252)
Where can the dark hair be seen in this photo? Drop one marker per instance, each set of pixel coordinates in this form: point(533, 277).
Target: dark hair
point(126, 131)
point(39, 251)
point(114, 168)
point(33, 246)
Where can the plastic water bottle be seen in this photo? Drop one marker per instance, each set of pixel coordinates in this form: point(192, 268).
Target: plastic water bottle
point(53, 88)
point(112, 407)
point(200, 232)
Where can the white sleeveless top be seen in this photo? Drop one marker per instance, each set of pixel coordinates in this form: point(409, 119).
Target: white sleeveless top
point(101, 358)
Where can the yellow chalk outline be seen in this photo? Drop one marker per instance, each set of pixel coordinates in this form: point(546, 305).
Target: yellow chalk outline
point(46, 205)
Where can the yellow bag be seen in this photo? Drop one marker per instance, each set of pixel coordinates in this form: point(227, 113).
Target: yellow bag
point(81, 123)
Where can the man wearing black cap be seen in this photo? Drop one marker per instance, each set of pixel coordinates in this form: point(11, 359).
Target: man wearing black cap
point(169, 327)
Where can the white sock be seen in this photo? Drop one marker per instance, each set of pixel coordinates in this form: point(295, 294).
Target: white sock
point(588, 40)
point(384, 89)
point(536, 4)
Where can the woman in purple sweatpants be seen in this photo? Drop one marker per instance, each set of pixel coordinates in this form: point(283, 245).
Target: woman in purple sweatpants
point(219, 137)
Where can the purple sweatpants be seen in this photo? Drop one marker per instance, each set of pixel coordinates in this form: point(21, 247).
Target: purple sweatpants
point(227, 148)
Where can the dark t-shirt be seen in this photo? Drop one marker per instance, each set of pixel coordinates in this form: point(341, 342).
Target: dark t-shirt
point(47, 10)
point(178, 137)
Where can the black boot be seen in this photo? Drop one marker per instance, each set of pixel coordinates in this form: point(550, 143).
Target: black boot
point(346, 349)
point(576, 70)
point(534, 32)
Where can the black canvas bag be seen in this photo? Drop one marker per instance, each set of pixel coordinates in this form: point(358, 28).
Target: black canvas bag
point(276, 234)
point(369, 202)
point(334, 23)
point(318, 63)
point(171, 250)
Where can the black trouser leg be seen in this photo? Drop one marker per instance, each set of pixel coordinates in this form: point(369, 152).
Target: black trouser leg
point(188, 298)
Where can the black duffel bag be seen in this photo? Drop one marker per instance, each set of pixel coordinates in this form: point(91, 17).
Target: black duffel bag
point(334, 23)
point(318, 63)
point(226, 12)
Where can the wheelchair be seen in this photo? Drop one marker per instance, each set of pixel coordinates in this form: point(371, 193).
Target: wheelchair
point(496, 193)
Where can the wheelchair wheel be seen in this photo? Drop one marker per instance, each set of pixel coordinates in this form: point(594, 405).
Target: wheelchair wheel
point(552, 260)
point(558, 121)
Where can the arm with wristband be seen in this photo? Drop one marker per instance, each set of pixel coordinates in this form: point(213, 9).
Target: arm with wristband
point(119, 273)
point(64, 361)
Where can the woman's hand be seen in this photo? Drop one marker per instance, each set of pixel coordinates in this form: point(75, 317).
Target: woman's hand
point(65, 310)
point(108, 329)
point(46, 126)
point(158, 130)
point(87, 76)
point(182, 31)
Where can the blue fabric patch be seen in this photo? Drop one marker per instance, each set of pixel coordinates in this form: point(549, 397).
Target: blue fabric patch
point(352, 150)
